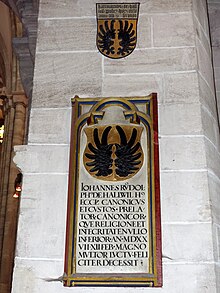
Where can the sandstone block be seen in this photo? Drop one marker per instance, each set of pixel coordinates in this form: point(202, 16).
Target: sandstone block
point(59, 77)
point(205, 65)
point(31, 276)
point(214, 190)
point(42, 218)
point(144, 32)
point(42, 158)
point(133, 85)
point(201, 35)
point(67, 35)
point(217, 271)
point(212, 158)
point(201, 278)
point(179, 242)
point(185, 197)
point(153, 61)
point(216, 240)
point(207, 96)
point(200, 11)
point(50, 126)
point(168, 6)
point(173, 30)
point(181, 88)
point(210, 127)
point(185, 153)
point(177, 119)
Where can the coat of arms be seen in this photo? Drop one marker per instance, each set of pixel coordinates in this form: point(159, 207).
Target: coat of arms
point(117, 28)
point(113, 152)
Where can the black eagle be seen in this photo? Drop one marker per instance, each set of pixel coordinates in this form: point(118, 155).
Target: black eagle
point(127, 36)
point(101, 157)
point(106, 37)
point(127, 153)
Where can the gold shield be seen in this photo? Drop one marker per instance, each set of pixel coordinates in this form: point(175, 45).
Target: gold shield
point(113, 152)
point(117, 29)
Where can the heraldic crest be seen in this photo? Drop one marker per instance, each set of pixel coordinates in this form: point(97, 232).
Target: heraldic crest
point(117, 28)
point(113, 152)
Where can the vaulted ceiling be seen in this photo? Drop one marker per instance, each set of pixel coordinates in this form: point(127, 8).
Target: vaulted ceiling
point(24, 45)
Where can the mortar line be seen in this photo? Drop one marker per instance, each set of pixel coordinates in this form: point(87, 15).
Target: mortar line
point(180, 135)
point(44, 173)
point(38, 259)
point(49, 108)
point(167, 13)
point(184, 171)
point(67, 17)
point(187, 223)
point(51, 52)
point(93, 51)
point(187, 262)
point(47, 144)
point(153, 73)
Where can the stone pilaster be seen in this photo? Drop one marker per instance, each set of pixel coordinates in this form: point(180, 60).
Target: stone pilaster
point(12, 204)
point(5, 162)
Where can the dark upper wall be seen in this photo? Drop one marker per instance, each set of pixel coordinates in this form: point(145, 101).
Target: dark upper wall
point(24, 47)
point(5, 45)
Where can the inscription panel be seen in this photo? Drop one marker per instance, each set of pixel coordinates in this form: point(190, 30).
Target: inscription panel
point(117, 10)
point(113, 228)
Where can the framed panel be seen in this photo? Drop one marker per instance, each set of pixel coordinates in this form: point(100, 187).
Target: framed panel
point(113, 235)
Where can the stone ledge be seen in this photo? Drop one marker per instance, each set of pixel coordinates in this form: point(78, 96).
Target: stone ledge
point(42, 158)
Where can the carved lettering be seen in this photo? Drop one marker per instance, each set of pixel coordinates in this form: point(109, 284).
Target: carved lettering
point(112, 225)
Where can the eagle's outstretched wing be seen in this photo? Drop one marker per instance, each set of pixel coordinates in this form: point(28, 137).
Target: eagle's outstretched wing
point(101, 161)
point(127, 153)
point(106, 36)
point(127, 38)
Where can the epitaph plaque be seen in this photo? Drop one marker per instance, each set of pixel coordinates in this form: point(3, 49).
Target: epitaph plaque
point(113, 224)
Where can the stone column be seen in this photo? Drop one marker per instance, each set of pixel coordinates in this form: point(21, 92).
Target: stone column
point(5, 162)
point(9, 117)
point(11, 214)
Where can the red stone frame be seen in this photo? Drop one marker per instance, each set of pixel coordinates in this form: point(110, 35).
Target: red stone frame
point(157, 191)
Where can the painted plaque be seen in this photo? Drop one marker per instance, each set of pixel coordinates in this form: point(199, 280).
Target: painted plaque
point(117, 28)
point(113, 224)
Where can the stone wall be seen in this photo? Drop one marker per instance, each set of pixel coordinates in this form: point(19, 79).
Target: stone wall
point(173, 59)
